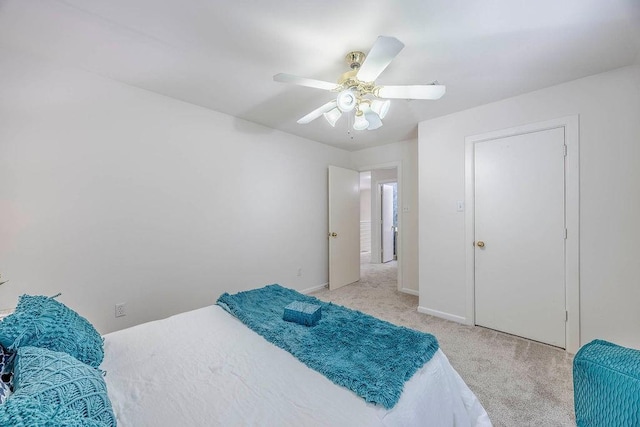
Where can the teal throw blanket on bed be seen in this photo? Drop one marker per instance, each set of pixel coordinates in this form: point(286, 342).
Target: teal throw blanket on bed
point(369, 356)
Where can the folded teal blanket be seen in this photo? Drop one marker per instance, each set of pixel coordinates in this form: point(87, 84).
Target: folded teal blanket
point(302, 313)
point(369, 356)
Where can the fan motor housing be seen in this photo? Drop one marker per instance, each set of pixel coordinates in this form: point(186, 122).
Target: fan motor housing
point(354, 59)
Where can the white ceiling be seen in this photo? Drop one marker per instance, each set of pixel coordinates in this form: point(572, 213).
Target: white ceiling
point(222, 55)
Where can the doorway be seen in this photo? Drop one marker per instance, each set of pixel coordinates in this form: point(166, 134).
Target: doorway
point(388, 221)
point(522, 222)
point(379, 220)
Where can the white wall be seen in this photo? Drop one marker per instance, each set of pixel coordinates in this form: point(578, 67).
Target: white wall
point(113, 194)
point(365, 220)
point(365, 205)
point(378, 175)
point(609, 108)
point(405, 152)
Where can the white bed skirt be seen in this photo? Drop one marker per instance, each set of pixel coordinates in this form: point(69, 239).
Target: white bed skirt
point(205, 368)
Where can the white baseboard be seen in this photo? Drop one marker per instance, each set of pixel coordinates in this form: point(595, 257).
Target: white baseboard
point(410, 291)
point(443, 315)
point(315, 288)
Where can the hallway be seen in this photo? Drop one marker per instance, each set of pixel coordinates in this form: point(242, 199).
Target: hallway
point(375, 293)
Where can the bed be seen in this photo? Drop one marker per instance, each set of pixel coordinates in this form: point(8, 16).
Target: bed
point(205, 368)
point(214, 367)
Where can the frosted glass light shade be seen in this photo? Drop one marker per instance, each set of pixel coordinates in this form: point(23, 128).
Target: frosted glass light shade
point(360, 122)
point(381, 108)
point(371, 117)
point(346, 100)
point(374, 121)
point(332, 116)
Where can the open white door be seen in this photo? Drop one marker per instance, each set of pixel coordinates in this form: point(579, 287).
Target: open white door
point(386, 198)
point(344, 227)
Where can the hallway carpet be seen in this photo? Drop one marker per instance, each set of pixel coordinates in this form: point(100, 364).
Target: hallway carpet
point(519, 382)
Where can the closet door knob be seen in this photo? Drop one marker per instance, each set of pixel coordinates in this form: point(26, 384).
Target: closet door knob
point(480, 244)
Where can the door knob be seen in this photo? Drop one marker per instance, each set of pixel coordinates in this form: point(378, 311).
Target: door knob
point(480, 244)
point(333, 234)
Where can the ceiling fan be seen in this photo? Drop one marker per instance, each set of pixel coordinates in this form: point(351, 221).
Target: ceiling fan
point(357, 90)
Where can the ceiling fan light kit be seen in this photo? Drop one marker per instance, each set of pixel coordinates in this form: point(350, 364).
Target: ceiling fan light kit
point(360, 123)
point(381, 108)
point(357, 89)
point(332, 116)
point(347, 100)
point(373, 118)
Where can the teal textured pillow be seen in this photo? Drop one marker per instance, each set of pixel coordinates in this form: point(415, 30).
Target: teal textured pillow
point(62, 382)
point(6, 372)
point(606, 383)
point(5, 392)
point(28, 412)
point(40, 321)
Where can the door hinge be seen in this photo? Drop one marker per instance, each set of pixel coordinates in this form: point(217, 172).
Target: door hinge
point(566, 316)
point(564, 150)
point(566, 234)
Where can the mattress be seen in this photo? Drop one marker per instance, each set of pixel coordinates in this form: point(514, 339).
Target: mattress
point(205, 368)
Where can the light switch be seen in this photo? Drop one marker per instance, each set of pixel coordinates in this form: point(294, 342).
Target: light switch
point(460, 206)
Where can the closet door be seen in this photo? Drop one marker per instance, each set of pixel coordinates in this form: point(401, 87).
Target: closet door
point(520, 235)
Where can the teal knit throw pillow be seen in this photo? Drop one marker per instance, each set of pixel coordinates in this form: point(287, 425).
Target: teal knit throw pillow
point(40, 321)
point(5, 392)
point(606, 383)
point(57, 380)
point(28, 412)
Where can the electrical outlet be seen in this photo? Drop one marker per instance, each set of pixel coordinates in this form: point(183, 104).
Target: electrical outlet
point(299, 271)
point(121, 309)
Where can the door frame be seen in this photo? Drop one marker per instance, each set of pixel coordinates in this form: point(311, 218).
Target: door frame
point(571, 127)
point(375, 198)
point(378, 208)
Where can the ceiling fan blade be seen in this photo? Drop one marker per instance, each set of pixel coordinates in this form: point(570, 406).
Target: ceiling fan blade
point(412, 92)
point(379, 57)
point(303, 81)
point(318, 112)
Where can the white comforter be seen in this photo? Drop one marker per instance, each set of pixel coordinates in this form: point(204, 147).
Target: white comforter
point(205, 368)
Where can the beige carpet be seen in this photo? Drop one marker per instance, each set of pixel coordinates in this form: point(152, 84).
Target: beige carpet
point(519, 382)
